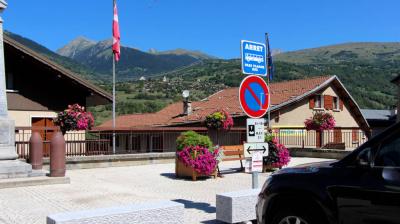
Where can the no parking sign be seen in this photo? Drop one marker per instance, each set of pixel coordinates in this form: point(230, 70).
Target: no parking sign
point(254, 96)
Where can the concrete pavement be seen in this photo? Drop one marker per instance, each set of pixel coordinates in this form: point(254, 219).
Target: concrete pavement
point(103, 187)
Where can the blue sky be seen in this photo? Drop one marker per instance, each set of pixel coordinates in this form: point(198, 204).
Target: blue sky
point(212, 26)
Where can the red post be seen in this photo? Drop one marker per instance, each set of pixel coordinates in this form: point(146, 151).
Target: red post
point(36, 151)
point(57, 155)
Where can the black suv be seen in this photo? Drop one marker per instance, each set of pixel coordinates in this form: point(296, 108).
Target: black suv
point(363, 187)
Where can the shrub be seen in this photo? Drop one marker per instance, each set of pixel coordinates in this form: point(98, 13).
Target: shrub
point(191, 138)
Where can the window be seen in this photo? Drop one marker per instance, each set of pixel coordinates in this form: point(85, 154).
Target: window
point(389, 153)
point(364, 156)
point(318, 101)
point(336, 103)
point(157, 143)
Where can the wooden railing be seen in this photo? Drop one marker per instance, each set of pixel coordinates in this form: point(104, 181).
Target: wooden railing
point(344, 138)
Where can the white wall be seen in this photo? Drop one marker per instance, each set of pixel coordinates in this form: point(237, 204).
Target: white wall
point(296, 114)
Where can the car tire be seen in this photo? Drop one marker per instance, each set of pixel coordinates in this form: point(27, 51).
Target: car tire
point(295, 215)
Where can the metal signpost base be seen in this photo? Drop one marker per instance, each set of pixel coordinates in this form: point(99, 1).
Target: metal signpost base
point(254, 180)
point(254, 173)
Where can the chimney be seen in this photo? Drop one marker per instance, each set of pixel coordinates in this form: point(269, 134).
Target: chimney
point(187, 107)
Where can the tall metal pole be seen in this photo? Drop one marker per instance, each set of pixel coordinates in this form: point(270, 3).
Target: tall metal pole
point(113, 106)
point(113, 84)
point(268, 75)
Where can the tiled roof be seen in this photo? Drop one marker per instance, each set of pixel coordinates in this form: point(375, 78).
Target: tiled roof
point(226, 99)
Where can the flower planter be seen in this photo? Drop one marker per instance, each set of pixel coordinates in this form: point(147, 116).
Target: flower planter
point(181, 170)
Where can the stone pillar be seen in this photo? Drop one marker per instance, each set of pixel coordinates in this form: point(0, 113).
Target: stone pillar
point(7, 126)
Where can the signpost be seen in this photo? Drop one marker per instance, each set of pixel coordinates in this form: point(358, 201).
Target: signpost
point(255, 148)
point(253, 58)
point(254, 99)
point(254, 96)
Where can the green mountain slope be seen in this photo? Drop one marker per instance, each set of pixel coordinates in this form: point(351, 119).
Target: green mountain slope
point(368, 52)
point(367, 81)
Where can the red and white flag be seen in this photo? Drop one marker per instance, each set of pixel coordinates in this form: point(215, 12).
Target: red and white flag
point(116, 47)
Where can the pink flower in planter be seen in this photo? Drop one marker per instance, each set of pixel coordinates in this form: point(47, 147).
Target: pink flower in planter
point(320, 121)
point(82, 124)
point(204, 162)
point(228, 122)
point(74, 118)
point(219, 119)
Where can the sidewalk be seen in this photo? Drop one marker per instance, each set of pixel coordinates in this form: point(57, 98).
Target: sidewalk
point(103, 187)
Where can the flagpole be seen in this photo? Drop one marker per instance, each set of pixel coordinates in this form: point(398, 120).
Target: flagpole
point(268, 76)
point(113, 96)
point(113, 106)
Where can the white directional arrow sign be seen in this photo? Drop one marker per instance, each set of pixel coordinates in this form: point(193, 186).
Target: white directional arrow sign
point(252, 147)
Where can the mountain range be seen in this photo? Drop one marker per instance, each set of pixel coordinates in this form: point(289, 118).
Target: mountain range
point(365, 68)
point(133, 63)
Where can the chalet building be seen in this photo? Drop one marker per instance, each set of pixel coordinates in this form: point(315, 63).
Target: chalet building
point(38, 88)
point(292, 103)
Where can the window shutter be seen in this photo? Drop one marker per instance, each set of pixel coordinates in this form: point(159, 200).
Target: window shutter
point(355, 135)
point(312, 102)
point(340, 104)
point(328, 102)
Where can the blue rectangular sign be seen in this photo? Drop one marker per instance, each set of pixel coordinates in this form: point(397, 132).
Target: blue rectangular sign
point(253, 58)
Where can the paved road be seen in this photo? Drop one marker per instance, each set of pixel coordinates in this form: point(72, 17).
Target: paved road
point(94, 188)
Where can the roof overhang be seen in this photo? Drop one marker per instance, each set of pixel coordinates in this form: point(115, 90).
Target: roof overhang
point(60, 69)
point(3, 5)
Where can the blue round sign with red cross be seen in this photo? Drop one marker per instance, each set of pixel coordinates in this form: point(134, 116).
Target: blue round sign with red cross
point(254, 96)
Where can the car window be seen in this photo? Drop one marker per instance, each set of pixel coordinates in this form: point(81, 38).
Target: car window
point(389, 153)
point(364, 156)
